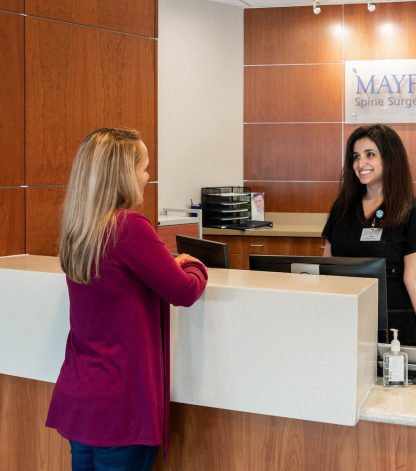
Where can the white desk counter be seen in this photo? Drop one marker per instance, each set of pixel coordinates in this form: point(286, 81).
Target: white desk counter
point(288, 345)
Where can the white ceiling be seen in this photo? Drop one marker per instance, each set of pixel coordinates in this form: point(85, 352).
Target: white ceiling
point(291, 3)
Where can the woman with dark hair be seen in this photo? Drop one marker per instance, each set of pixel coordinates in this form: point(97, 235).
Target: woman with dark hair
point(111, 400)
point(374, 215)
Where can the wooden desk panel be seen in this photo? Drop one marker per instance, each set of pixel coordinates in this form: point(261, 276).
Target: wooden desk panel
point(239, 247)
point(206, 439)
point(25, 443)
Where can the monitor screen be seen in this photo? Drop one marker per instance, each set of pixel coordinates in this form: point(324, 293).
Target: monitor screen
point(212, 254)
point(339, 266)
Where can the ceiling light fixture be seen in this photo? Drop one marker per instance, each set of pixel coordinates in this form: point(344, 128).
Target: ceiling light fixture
point(316, 8)
point(371, 7)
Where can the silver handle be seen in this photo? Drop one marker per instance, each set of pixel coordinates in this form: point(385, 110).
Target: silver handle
point(256, 245)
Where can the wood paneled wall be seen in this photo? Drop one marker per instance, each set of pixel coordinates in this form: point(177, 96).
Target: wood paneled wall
point(12, 207)
point(294, 131)
point(12, 5)
point(129, 16)
point(11, 99)
point(66, 68)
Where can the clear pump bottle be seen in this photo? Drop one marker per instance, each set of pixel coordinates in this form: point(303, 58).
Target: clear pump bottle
point(395, 364)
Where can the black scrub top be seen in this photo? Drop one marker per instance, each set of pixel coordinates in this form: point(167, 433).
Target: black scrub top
point(395, 243)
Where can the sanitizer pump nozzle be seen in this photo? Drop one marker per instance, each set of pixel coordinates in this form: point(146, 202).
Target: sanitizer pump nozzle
point(395, 364)
point(395, 343)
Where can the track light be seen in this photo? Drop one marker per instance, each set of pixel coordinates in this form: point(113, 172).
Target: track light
point(316, 8)
point(371, 7)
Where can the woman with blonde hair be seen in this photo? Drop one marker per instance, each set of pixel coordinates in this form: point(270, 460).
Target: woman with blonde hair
point(111, 399)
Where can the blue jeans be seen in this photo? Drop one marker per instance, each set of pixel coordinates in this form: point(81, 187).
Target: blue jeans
point(115, 458)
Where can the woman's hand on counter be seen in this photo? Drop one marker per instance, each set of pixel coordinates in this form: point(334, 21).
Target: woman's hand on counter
point(184, 257)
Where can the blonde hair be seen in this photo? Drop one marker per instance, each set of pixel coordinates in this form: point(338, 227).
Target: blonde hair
point(103, 179)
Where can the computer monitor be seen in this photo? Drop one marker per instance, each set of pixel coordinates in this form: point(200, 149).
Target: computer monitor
point(339, 266)
point(212, 254)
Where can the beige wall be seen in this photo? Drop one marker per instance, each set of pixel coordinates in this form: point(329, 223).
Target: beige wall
point(200, 98)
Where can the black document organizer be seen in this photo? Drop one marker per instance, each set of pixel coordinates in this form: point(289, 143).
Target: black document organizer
point(223, 206)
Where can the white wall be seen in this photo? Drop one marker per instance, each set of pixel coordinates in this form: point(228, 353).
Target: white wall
point(200, 97)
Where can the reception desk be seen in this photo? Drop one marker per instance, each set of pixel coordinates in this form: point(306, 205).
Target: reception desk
point(261, 364)
point(280, 344)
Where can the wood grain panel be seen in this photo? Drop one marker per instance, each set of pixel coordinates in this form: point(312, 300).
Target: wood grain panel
point(43, 218)
point(292, 35)
point(242, 244)
point(78, 79)
point(207, 439)
point(168, 233)
point(387, 33)
point(12, 227)
point(239, 248)
point(269, 244)
point(296, 246)
point(238, 261)
point(11, 100)
point(149, 207)
point(297, 197)
point(407, 132)
point(12, 5)
point(44, 211)
point(292, 151)
point(293, 93)
point(130, 16)
point(25, 442)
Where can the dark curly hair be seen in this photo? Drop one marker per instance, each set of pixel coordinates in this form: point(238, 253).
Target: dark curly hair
point(397, 180)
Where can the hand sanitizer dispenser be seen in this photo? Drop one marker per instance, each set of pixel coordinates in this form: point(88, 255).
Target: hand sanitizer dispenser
point(395, 364)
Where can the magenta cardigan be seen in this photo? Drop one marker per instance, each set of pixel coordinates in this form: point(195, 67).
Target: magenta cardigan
point(113, 388)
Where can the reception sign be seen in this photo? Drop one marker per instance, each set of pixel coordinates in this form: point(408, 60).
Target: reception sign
point(380, 91)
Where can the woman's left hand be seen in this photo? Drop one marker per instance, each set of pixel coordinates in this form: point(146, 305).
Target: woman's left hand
point(184, 257)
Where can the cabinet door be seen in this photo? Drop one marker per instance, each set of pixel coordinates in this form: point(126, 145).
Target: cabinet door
point(240, 247)
point(238, 261)
point(243, 244)
point(168, 233)
point(296, 246)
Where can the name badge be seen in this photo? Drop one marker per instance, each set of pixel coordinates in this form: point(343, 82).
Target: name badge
point(371, 234)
